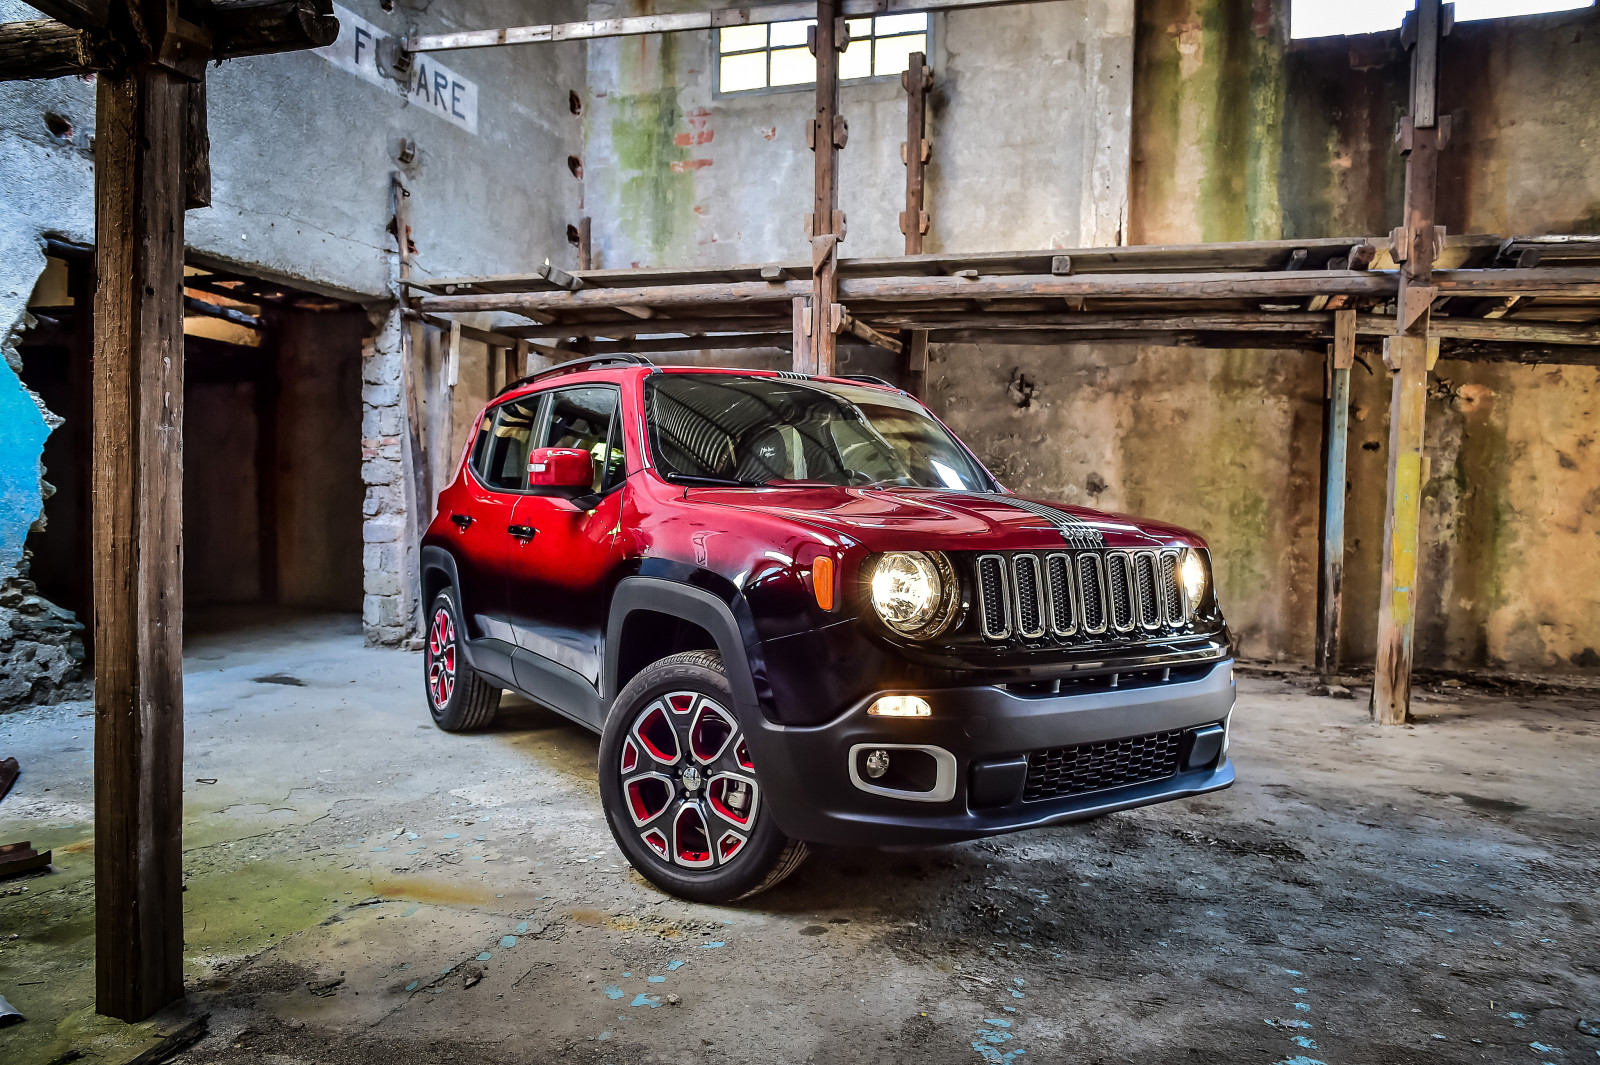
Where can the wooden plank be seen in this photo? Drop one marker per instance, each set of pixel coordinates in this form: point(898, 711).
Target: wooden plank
point(1222, 257)
point(1573, 282)
point(1335, 474)
point(629, 327)
point(137, 475)
point(585, 243)
point(19, 858)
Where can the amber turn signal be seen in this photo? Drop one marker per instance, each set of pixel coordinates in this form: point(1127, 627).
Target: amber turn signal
point(822, 581)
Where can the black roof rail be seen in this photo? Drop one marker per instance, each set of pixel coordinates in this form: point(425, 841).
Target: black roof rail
point(588, 362)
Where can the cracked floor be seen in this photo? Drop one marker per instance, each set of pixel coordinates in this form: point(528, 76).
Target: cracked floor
point(361, 887)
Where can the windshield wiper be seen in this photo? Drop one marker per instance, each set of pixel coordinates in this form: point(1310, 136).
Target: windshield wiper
point(724, 482)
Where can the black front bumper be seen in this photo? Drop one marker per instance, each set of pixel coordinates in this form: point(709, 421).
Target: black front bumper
point(984, 737)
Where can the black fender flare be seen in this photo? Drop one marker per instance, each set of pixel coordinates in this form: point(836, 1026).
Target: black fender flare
point(740, 659)
point(439, 560)
point(703, 608)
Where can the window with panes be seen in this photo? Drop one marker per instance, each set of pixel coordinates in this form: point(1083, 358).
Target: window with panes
point(774, 55)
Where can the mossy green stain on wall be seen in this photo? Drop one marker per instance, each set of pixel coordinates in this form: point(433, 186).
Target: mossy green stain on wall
point(655, 202)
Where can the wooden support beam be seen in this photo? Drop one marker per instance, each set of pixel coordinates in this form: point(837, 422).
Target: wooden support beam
point(585, 243)
point(916, 362)
point(804, 360)
point(1244, 285)
point(80, 14)
point(1408, 355)
point(232, 29)
point(917, 79)
point(828, 134)
point(137, 531)
point(1335, 472)
point(48, 49)
point(264, 27)
point(857, 328)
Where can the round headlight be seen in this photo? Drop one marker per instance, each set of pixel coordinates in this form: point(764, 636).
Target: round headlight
point(1192, 579)
point(914, 592)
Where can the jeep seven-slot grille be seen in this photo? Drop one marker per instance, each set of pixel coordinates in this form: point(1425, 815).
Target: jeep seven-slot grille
point(1087, 767)
point(1079, 595)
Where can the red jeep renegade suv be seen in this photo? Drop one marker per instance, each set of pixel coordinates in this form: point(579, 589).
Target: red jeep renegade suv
point(797, 609)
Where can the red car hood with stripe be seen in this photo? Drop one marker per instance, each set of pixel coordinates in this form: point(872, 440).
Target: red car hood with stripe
point(887, 519)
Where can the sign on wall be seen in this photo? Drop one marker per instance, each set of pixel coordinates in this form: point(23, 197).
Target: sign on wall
point(433, 86)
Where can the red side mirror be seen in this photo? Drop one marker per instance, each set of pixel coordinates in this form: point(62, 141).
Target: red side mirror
point(560, 471)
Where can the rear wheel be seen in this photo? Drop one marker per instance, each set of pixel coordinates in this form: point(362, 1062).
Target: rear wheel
point(680, 790)
point(459, 698)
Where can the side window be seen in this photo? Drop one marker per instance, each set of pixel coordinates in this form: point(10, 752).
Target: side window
point(586, 418)
point(501, 454)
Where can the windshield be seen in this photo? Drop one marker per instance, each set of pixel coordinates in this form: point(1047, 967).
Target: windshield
point(720, 429)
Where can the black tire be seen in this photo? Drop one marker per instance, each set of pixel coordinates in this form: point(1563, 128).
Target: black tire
point(459, 698)
point(761, 855)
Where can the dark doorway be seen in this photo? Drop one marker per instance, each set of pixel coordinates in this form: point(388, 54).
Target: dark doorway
point(272, 441)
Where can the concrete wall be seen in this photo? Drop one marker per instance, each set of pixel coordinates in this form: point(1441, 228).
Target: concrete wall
point(1238, 137)
point(302, 153)
point(1029, 117)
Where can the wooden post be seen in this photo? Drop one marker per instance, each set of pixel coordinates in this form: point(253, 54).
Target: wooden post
point(826, 229)
point(804, 356)
point(585, 244)
point(917, 80)
point(1341, 357)
point(137, 477)
point(1407, 353)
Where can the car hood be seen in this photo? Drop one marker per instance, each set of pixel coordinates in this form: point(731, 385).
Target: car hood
point(886, 519)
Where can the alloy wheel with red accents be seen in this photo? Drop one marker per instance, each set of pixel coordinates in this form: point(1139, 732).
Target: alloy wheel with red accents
point(459, 698)
point(688, 779)
point(441, 658)
point(680, 787)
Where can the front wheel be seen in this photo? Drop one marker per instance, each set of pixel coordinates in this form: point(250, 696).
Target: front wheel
point(680, 790)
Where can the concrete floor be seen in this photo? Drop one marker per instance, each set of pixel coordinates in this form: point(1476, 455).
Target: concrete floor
point(365, 888)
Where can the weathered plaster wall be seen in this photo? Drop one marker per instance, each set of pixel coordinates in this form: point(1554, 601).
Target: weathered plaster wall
point(1029, 118)
point(1238, 137)
point(302, 153)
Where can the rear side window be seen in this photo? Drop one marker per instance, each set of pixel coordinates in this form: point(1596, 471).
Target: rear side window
point(586, 418)
point(500, 455)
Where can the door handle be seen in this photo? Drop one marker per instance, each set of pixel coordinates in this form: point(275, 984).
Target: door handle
point(522, 532)
point(462, 521)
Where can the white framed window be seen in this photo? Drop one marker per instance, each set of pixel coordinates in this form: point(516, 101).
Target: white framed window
point(1325, 18)
point(774, 55)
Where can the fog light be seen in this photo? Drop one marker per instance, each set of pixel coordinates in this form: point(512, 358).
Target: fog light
point(877, 764)
point(901, 706)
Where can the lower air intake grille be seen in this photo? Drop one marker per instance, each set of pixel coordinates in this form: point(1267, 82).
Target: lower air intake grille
point(1062, 771)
